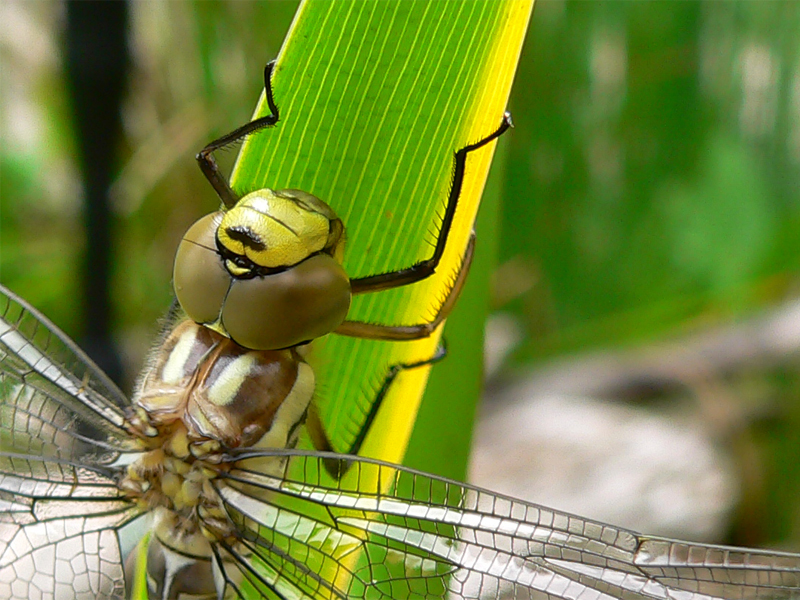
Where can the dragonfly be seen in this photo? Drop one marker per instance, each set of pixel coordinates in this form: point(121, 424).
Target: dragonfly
point(194, 488)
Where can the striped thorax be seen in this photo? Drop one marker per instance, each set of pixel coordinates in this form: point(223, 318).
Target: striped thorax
point(203, 395)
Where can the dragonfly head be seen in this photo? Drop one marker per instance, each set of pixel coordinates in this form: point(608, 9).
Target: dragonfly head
point(267, 273)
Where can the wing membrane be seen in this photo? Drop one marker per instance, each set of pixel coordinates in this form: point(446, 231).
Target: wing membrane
point(59, 526)
point(61, 433)
point(419, 536)
point(35, 350)
point(65, 557)
point(54, 402)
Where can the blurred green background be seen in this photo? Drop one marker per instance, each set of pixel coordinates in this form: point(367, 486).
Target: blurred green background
point(649, 190)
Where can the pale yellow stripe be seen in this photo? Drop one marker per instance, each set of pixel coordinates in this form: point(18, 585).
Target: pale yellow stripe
point(175, 367)
point(223, 391)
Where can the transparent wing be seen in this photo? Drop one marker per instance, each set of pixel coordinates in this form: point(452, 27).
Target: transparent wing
point(61, 435)
point(60, 530)
point(308, 536)
point(54, 401)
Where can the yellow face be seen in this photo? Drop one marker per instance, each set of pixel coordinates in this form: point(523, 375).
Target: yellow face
point(267, 273)
point(275, 230)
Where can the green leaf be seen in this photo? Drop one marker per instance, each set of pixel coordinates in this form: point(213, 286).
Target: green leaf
point(374, 99)
point(442, 434)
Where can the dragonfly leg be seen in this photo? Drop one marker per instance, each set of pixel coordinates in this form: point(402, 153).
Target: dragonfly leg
point(205, 158)
point(377, 331)
point(426, 268)
point(337, 468)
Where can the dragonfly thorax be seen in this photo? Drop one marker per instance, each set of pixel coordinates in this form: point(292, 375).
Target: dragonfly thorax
point(267, 273)
point(201, 397)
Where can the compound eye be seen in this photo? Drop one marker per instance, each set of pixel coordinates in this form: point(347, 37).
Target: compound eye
point(199, 277)
point(287, 308)
point(269, 311)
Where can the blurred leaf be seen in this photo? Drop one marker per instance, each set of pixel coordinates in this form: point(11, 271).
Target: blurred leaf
point(720, 228)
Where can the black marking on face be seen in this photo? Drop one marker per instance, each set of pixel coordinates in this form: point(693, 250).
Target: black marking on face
point(247, 237)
